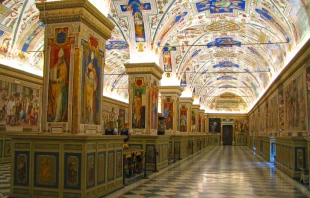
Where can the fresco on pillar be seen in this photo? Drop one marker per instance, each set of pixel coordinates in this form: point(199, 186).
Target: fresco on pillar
point(154, 107)
point(59, 69)
point(183, 118)
point(200, 120)
point(91, 81)
point(19, 106)
point(178, 114)
point(168, 112)
point(139, 104)
point(193, 121)
point(295, 105)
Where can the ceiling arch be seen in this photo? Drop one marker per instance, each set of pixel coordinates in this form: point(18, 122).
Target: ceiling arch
point(223, 48)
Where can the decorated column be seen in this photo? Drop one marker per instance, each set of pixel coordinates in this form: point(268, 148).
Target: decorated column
point(170, 105)
point(65, 160)
point(74, 61)
point(201, 121)
point(143, 82)
point(185, 114)
point(194, 119)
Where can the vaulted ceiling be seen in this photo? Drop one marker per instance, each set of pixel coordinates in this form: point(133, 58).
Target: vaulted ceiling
point(224, 52)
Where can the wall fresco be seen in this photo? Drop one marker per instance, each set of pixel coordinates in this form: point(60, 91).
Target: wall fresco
point(19, 106)
point(295, 105)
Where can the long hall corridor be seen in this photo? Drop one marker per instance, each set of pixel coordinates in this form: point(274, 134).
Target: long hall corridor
point(218, 172)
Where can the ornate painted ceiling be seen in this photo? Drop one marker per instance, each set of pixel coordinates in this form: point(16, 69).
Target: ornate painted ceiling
point(224, 52)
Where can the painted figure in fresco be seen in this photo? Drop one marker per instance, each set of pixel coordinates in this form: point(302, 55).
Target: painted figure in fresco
point(139, 26)
point(167, 61)
point(58, 90)
point(136, 7)
point(193, 121)
point(137, 109)
point(168, 114)
point(183, 80)
point(9, 110)
point(154, 109)
point(90, 88)
point(183, 121)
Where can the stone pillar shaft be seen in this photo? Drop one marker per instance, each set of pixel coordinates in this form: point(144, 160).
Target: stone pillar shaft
point(185, 115)
point(170, 107)
point(143, 82)
point(75, 38)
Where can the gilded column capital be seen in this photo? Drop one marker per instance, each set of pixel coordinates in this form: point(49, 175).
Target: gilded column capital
point(144, 68)
point(189, 101)
point(195, 107)
point(172, 90)
point(75, 11)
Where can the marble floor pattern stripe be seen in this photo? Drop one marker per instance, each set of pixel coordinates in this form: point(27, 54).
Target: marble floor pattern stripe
point(218, 172)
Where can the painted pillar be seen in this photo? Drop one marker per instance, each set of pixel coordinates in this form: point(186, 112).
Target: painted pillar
point(205, 123)
point(76, 33)
point(185, 115)
point(194, 119)
point(143, 89)
point(170, 106)
point(201, 121)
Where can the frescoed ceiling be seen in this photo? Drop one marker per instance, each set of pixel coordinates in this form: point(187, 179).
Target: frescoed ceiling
point(224, 52)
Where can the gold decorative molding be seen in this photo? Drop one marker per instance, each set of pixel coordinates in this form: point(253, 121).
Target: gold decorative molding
point(177, 90)
point(144, 68)
point(187, 100)
point(76, 11)
point(195, 107)
point(20, 75)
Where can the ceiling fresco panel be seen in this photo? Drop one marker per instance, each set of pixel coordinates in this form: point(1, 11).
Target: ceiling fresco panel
point(216, 49)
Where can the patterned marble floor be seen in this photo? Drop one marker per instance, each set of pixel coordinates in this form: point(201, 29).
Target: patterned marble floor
point(218, 172)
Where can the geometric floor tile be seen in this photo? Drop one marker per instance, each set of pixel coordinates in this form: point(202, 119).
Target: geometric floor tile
point(219, 172)
point(216, 172)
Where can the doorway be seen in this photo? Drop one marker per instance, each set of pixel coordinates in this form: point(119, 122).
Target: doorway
point(227, 134)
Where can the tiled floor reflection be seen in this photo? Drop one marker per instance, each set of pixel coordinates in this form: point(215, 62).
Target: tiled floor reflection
point(218, 172)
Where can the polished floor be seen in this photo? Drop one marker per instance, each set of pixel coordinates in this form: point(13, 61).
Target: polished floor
point(218, 172)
